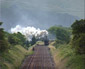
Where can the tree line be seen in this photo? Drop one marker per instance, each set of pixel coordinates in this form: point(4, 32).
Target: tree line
point(8, 40)
point(74, 35)
point(63, 35)
point(78, 31)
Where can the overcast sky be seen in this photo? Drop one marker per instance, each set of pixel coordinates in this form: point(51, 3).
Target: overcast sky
point(32, 12)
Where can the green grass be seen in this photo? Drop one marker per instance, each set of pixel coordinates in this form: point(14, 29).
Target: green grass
point(75, 61)
point(64, 52)
point(14, 57)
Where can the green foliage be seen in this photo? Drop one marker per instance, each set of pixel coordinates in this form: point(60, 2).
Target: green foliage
point(7, 39)
point(52, 30)
point(33, 40)
point(21, 38)
point(12, 39)
point(16, 38)
point(14, 57)
point(78, 27)
point(3, 45)
point(27, 44)
point(61, 33)
point(57, 42)
point(76, 62)
point(66, 57)
point(3, 42)
point(78, 42)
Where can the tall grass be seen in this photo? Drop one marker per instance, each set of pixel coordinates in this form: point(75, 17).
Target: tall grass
point(65, 57)
point(14, 57)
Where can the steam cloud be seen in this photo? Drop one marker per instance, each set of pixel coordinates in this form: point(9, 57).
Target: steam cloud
point(29, 31)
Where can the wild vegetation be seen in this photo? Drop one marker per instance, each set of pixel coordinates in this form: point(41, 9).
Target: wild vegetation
point(71, 54)
point(62, 34)
point(68, 49)
point(66, 58)
point(3, 42)
point(78, 32)
point(14, 47)
point(14, 57)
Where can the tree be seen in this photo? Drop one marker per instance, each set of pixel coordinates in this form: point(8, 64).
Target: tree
point(33, 40)
point(16, 38)
point(3, 42)
point(61, 33)
point(78, 27)
point(52, 30)
point(13, 39)
point(21, 38)
point(78, 32)
point(27, 44)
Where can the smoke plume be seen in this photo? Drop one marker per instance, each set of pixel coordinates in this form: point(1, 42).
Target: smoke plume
point(29, 31)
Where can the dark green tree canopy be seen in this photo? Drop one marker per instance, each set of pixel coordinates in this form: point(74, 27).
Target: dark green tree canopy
point(3, 42)
point(61, 33)
point(78, 26)
point(78, 30)
point(1, 32)
point(16, 38)
point(33, 40)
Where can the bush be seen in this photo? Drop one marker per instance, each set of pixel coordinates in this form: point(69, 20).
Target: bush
point(3, 45)
point(61, 33)
point(12, 39)
point(16, 38)
point(3, 42)
point(79, 44)
point(33, 40)
point(78, 41)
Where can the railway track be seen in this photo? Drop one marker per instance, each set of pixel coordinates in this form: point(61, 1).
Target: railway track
point(41, 59)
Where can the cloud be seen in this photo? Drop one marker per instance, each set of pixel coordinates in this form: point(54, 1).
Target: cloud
point(29, 31)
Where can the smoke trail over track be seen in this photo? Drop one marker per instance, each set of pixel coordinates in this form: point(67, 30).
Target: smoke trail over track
point(29, 31)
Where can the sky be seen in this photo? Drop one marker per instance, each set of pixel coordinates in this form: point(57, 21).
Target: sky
point(40, 13)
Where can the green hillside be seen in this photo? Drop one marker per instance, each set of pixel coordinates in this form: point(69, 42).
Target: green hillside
point(14, 57)
point(66, 58)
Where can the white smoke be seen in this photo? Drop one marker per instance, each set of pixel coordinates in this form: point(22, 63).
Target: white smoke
point(29, 31)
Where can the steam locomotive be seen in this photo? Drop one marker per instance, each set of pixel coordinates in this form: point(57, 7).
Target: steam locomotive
point(46, 41)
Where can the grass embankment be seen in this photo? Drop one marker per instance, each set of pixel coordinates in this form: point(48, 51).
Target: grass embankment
point(14, 57)
point(40, 43)
point(65, 57)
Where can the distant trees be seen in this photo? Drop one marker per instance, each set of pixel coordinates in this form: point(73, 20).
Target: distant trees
point(33, 40)
point(52, 30)
point(78, 27)
point(7, 40)
point(11, 39)
point(62, 35)
point(16, 38)
point(3, 42)
point(27, 43)
point(78, 32)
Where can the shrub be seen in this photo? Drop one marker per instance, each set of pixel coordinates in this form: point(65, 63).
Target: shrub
point(78, 41)
point(3, 42)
